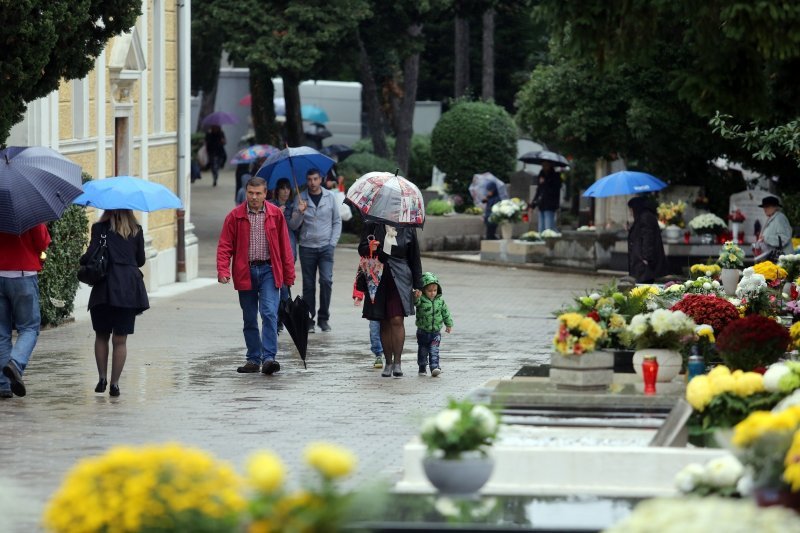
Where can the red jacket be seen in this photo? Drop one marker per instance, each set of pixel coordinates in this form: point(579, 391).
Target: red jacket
point(234, 242)
point(21, 252)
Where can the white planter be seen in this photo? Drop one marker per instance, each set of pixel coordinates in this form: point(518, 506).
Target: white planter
point(458, 476)
point(672, 233)
point(592, 371)
point(729, 277)
point(506, 231)
point(669, 363)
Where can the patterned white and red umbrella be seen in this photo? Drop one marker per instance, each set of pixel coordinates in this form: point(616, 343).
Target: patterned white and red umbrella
point(387, 198)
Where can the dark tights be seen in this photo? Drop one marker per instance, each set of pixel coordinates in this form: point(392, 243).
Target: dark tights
point(393, 336)
point(120, 353)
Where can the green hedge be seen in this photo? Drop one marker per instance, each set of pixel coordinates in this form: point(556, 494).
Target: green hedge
point(470, 138)
point(420, 163)
point(57, 280)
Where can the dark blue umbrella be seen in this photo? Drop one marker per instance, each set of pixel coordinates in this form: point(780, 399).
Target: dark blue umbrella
point(537, 157)
point(624, 182)
point(36, 185)
point(339, 151)
point(293, 163)
point(126, 192)
point(219, 118)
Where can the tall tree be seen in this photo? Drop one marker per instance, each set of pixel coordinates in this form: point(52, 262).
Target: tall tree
point(207, 39)
point(461, 47)
point(487, 78)
point(288, 38)
point(47, 41)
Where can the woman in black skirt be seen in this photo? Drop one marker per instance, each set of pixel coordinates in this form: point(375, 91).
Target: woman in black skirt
point(398, 250)
point(115, 301)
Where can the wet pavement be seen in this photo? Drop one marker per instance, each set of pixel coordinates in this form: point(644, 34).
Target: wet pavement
point(180, 381)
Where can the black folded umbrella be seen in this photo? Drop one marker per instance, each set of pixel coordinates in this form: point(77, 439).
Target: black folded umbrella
point(296, 319)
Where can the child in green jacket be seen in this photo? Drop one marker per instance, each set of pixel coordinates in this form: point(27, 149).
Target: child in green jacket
point(432, 313)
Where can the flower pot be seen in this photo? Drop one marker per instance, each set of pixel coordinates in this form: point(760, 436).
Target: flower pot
point(729, 277)
point(669, 363)
point(735, 231)
point(592, 371)
point(506, 230)
point(672, 233)
point(458, 476)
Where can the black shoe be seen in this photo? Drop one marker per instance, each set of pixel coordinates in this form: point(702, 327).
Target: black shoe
point(249, 368)
point(422, 371)
point(311, 328)
point(6, 393)
point(17, 386)
point(101, 385)
point(324, 326)
point(113, 390)
point(270, 367)
point(397, 371)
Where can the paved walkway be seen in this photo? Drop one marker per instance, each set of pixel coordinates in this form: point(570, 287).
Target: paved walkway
point(180, 381)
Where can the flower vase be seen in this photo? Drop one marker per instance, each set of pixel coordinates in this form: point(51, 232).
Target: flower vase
point(669, 363)
point(672, 233)
point(465, 475)
point(506, 231)
point(591, 371)
point(729, 277)
point(735, 231)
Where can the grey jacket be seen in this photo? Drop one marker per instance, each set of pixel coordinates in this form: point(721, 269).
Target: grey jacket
point(322, 224)
point(778, 227)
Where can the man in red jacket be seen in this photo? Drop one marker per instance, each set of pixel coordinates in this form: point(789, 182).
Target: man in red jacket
point(20, 262)
point(255, 237)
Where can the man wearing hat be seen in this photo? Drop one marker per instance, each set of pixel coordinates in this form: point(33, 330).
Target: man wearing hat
point(776, 235)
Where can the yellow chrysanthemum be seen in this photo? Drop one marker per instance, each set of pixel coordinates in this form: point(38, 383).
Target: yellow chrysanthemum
point(769, 270)
point(330, 460)
point(792, 463)
point(748, 383)
point(618, 321)
point(698, 392)
point(571, 320)
point(642, 290)
point(794, 333)
point(720, 380)
point(265, 471)
point(759, 423)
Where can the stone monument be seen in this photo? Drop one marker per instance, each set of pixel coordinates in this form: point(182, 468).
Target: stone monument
point(747, 202)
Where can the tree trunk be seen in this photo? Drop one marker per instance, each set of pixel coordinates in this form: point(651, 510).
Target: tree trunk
point(461, 52)
point(262, 107)
point(207, 103)
point(294, 119)
point(405, 115)
point(369, 91)
point(488, 55)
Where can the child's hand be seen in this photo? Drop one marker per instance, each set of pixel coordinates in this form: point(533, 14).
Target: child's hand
point(448, 329)
point(417, 294)
point(356, 302)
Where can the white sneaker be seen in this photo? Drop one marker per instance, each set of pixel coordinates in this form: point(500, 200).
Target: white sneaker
point(435, 372)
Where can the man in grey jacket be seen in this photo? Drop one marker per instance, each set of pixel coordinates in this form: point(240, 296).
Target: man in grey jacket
point(776, 235)
point(319, 234)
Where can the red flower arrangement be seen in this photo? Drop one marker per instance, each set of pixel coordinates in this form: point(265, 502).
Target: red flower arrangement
point(751, 342)
point(708, 309)
point(737, 216)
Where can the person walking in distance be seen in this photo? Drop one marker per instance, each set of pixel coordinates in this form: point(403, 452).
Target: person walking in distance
point(20, 264)
point(319, 234)
point(115, 301)
point(432, 314)
point(255, 240)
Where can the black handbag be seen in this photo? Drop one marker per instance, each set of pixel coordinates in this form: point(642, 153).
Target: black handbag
point(95, 269)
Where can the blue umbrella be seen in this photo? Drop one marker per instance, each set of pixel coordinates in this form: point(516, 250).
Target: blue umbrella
point(219, 118)
point(313, 113)
point(36, 185)
point(293, 163)
point(126, 192)
point(624, 182)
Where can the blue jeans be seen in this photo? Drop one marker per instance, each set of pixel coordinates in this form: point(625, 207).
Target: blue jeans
point(547, 220)
point(428, 347)
point(375, 343)
point(262, 299)
point(19, 304)
point(311, 260)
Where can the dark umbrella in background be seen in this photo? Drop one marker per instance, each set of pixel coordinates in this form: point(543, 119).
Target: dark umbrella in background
point(537, 157)
point(296, 319)
point(219, 118)
point(36, 185)
point(340, 152)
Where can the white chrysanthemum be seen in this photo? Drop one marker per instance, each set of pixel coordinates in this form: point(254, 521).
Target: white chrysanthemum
point(690, 477)
point(715, 284)
point(661, 321)
point(486, 418)
point(594, 296)
point(724, 471)
point(447, 419)
point(707, 286)
point(773, 375)
point(428, 425)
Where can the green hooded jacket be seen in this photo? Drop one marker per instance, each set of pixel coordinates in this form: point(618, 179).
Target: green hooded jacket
point(432, 314)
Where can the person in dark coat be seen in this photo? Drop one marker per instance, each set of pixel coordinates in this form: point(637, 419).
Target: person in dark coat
point(115, 301)
point(548, 196)
point(215, 147)
point(398, 250)
point(646, 258)
point(492, 197)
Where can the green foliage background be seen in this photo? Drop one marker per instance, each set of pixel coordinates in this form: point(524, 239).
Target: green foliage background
point(474, 137)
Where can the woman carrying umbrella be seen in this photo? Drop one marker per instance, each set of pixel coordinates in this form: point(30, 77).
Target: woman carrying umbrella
point(548, 196)
point(646, 258)
point(398, 250)
point(115, 301)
